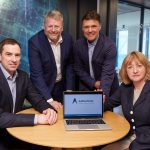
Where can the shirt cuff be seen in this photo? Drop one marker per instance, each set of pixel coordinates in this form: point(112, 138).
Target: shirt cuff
point(35, 119)
point(50, 100)
point(69, 90)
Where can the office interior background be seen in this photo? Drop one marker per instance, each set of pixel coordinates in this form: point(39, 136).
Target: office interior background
point(126, 22)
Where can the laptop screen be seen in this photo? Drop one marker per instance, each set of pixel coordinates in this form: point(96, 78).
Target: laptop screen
point(83, 104)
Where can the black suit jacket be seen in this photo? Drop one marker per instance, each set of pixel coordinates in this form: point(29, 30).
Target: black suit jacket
point(141, 113)
point(103, 64)
point(43, 67)
point(24, 90)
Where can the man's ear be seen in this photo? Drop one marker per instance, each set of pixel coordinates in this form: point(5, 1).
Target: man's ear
point(100, 27)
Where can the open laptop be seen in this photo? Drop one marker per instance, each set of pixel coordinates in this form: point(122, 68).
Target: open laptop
point(83, 110)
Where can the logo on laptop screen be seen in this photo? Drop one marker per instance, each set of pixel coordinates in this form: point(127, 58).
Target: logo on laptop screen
point(74, 101)
point(82, 101)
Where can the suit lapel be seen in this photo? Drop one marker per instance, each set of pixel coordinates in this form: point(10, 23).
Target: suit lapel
point(98, 47)
point(18, 91)
point(130, 97)
point(84, 52)
point(6, 89)
point(46, 46)
point(62, 53)
point(142, 96)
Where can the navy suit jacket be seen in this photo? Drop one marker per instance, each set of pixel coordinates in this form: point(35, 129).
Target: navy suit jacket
point(103, 64)
point(43, 67)
point(141, 113)
point(24, 90)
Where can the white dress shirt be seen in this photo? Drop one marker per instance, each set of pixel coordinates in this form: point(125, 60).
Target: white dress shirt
point(57, 54)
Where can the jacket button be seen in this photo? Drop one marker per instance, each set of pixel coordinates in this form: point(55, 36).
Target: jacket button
point(132, 120)
point(131, 112)
point(133, 127)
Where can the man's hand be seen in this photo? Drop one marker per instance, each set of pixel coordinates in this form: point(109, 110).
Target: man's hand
point(97, 84)
point(57, 105)
point(51, 116)
point(42, 119)
point(104, 96)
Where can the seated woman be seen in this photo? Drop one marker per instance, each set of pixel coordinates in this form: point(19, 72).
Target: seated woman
point(134, 96)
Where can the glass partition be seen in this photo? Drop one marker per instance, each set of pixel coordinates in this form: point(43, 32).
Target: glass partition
point(128, 30)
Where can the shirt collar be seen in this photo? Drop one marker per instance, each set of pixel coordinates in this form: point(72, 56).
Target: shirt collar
point(58, 42)
point(6, 74)
point(93, 43)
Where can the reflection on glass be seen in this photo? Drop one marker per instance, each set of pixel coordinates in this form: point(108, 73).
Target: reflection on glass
point(146, 34)
point(122, 46)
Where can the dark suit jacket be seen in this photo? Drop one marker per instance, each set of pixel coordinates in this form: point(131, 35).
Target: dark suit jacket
point(43, 66)
point(141, 113)
point(103, 63)
point(24, 90)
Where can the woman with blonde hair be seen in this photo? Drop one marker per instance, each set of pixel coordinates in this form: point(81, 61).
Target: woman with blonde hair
point(134, 97)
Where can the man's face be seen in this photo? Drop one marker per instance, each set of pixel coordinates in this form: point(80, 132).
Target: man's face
point(53, 29)
point(10, 57)
point(91, 29)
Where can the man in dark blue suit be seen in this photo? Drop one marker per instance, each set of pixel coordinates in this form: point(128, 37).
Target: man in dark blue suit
point(15, 87)
point(95, 57)
point(50, 58)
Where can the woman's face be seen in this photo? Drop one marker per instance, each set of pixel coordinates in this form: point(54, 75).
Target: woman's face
point(136, 71)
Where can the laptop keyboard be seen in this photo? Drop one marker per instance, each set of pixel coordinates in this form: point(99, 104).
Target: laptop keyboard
point(74, 122)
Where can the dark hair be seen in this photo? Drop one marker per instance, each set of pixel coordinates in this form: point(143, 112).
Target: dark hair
point(8, 41)
point(92, 15)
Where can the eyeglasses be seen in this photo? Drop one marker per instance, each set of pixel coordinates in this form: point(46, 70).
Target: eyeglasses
point(134, 67)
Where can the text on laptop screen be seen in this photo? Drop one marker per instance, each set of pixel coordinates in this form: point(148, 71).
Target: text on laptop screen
point(83, 104)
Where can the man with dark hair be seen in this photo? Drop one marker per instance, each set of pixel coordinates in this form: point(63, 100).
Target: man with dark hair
point(95, 57)
point(15, 87)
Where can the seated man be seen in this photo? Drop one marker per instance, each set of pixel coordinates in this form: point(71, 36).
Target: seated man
point(15, 87)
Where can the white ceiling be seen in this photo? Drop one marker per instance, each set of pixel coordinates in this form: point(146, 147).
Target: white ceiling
point(125, 7)
point(145, 3)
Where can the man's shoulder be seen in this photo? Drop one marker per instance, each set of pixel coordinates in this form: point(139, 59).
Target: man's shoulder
point(22, 73)
point(37, 35)
point(106, 44)
point(66, 35)
point(81, 40)
point(105, 39)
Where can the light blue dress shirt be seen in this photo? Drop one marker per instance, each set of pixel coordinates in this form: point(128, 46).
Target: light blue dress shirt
point(91, 47)
point(11, 82)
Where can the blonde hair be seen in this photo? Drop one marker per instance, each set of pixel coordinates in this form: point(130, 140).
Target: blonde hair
point(55, 14)
point(134, 55)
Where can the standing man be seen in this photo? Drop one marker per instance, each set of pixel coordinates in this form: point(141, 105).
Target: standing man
point(15, 87)
point(50, 58)
point(95, 57)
